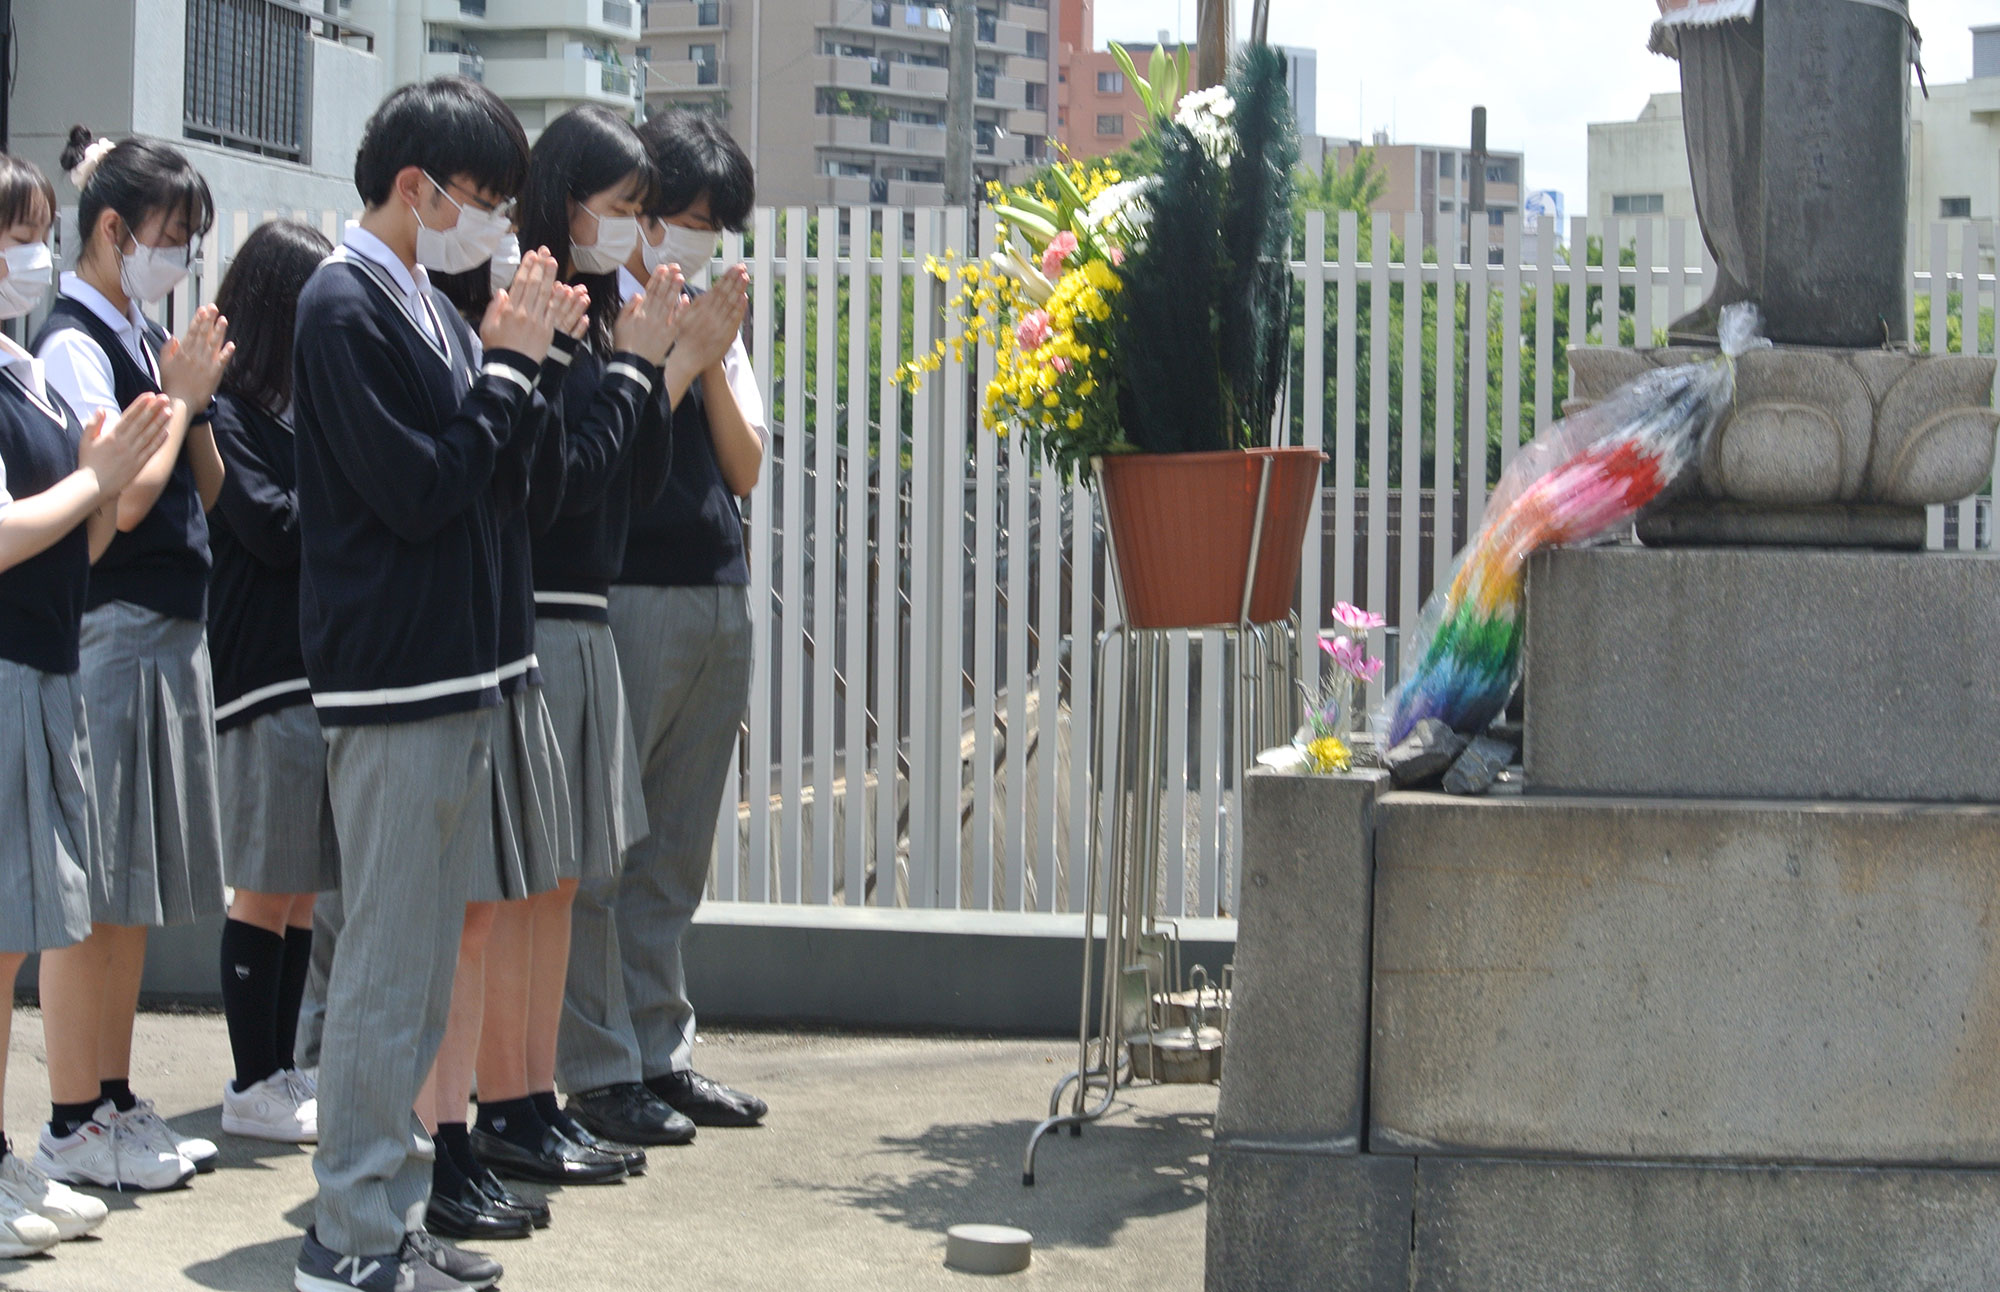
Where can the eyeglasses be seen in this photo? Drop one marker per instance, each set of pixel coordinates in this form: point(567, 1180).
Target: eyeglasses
point(504, 210)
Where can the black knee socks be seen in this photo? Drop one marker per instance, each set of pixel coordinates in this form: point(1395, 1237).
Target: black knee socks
point(514, 1120)
point(551, 1112)
point(65, 1118)
point(292, 990)
point(120, 1094)
point(253, 968)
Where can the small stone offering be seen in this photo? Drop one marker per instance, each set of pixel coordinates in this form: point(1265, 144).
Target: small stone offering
point(1479, 766)
point(1424, 755)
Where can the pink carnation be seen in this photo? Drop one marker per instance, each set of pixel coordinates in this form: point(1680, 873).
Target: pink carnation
point(1033, 331)
point(1349, 615)
point(1060, 249)
point(1352, 657)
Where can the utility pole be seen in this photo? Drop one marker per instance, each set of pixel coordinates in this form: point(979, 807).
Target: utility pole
point(1475, 203)
point(1475, 216)
point(1211, 62)
point(963, 83)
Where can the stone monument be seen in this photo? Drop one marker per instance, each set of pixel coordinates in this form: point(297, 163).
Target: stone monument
point(1712, 999)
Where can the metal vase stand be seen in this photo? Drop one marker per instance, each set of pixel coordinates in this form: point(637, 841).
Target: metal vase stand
point(1149, 1022)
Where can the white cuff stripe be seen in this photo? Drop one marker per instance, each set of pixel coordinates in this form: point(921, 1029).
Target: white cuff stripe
point(572, 599)
point(258, 696)
point(560, 356)
point(406, 694)
point(511, 373)
point(627, 370)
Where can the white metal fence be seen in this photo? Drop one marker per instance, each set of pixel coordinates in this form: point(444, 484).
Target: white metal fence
point(927, 596)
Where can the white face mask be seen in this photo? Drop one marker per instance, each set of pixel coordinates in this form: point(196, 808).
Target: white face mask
point(691, 249)
point(148, 273)
point(506, 263)
point(29, 267)
point(466, 245)
point(617, 235)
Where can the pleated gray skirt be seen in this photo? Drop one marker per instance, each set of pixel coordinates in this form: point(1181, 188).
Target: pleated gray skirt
point(593, 730)
point(531, 809)
point(151, 705)
point(277, 815)
point(49, 843)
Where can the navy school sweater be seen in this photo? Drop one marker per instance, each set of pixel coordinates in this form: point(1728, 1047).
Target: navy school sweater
point(253, 604)
point(615, 449)
point(691, 534)
point(42, 598)
point(162, 564)
point(398, 439)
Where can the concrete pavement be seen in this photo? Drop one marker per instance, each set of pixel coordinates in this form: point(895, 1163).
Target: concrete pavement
point(874, 1146)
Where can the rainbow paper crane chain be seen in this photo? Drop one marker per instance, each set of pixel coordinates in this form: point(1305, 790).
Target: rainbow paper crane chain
point(1588, 475)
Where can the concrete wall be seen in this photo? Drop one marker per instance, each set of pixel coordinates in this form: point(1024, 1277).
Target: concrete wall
point(1648, 155)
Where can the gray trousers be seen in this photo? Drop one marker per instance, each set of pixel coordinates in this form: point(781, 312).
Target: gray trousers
point(403, 796)
point(327, 919)
point(684, 654)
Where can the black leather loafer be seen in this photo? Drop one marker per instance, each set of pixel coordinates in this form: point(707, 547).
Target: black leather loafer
point(705, 1102)
point(629, 1113)
point(554, 1161)
point(633, 1158)
point(468, 1213)
point(505, 1199)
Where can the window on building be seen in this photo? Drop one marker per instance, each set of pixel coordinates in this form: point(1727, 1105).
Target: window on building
point(708, 13)
point(644, 53)
point(1038, 44)
point(1638, 204)
point(1037, 95)
point(1445, 205)
point(989, 26)
point(987, 138)
point(1955, 208)
point(1111, 123)
point(705, 70)
point(1447, 165)
point(245, 77)
point(1111, 82)
point(1496, 217)
point(1036, 147)
point(989, 83)
point(879, 14)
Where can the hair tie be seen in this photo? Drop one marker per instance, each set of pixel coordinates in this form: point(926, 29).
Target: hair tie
point(93, 155)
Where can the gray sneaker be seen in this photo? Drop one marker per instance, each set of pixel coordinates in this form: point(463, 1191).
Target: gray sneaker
point(321, 1269)
point(470, 1269)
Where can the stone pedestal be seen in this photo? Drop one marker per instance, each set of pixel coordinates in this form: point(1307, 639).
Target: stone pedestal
point(1823, 446)
point(1784, 673)
point(1611, 1045)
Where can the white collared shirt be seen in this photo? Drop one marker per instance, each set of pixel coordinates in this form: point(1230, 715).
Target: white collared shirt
point(77, 366)
point(415, 285)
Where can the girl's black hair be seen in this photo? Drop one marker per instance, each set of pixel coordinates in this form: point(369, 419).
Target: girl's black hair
point(260, 298)
point(448, 126)
point(692, 154)
point(25, 193)
point(582, 152)
point(139, 178)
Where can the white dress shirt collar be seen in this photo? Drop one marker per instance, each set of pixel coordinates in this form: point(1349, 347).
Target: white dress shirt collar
point(414, 284)
point(130, 326)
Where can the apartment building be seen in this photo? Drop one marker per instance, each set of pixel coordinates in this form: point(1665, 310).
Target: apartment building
point(1640, 167)
point(543, 57)
point(843, 101)
point(1435, 181)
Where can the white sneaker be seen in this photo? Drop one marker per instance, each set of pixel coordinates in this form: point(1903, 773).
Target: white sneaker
point(73, 1214)
point(146, 1122)
point(309, 1078)
point(22, 1232)
point(110, 1153)
point(276, 1108)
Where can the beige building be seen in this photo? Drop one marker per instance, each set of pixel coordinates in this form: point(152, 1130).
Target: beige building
point(1640, 167)
point(844, 100)
point(1435, 181)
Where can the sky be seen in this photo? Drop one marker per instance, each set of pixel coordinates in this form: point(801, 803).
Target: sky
point(1543, 70)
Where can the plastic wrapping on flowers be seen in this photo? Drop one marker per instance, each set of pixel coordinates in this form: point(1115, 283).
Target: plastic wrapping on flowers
point(1580, 481)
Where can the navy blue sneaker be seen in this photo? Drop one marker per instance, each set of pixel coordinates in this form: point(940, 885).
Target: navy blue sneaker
point(321, 1269)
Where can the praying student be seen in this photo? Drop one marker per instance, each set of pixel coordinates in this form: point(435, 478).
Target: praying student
point(680, 618)
point(279, 848)
point(398, 441)
point(140, 209)
point(59, 483)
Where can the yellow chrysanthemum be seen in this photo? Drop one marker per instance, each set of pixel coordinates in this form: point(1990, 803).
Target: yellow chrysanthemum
point(1328, 755)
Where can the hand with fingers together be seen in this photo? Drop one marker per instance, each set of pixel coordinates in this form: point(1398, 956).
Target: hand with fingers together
point(649, 324)
point(191, 365)
point(522, 318)
point(115, 449)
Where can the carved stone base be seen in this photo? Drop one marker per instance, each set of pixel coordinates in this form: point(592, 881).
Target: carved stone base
point(1860, 439)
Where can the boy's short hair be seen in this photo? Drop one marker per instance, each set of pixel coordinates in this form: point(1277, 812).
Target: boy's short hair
point(692, 154)
point(449, 126)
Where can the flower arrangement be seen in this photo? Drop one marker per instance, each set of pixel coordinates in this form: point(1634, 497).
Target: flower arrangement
point(1135, 315)
point(1321, 745)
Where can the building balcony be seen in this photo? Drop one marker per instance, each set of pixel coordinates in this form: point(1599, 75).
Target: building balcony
point(573, 80)
point(613, 19)
point(438, 63)
point(687, 17)
point(877, 74)
point(907, 193)
point(1023, 68)
point(680, 74)
point(1034, 17)
point(1002, 91)
point(1027, 121)
point(882, 136)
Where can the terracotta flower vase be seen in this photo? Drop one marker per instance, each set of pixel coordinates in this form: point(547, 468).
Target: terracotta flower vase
point(1181, 530)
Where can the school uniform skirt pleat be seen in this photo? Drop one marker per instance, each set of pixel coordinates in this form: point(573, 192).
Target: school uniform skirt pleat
point(593, 730)
point(277, 813)
point(531, 808)
point(151, 705)
point(49, 846)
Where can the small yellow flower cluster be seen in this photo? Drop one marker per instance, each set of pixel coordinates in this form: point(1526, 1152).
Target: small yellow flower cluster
point(1329, 754)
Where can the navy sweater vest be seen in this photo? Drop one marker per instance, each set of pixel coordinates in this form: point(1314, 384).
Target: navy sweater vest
point(162, 564)
point(691, 535)
point(253, 605)
point(398, 441)
point(615, 449)
point(42, 598)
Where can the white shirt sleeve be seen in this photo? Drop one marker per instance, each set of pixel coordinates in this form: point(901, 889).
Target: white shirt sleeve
point(80, 372)
point(742, 381)
point(5, 497)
